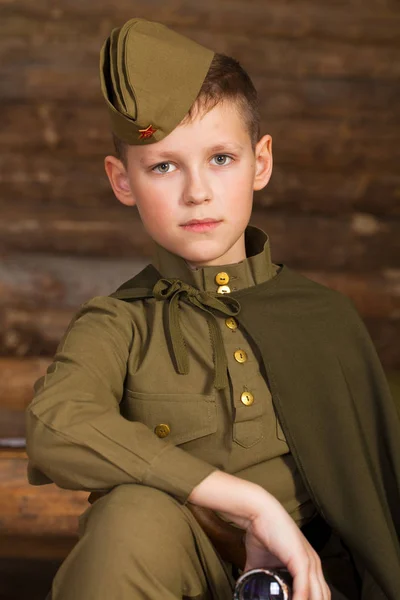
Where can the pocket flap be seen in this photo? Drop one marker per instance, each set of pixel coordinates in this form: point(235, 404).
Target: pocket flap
point(188, 416)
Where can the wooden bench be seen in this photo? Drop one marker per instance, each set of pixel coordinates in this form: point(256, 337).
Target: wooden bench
point(35, 521)
point(42, 521)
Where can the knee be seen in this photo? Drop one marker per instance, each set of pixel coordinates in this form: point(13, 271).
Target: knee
point(139, 517)
point(141, 538)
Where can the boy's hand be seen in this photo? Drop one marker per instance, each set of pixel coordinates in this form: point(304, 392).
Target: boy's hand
point(272, 538)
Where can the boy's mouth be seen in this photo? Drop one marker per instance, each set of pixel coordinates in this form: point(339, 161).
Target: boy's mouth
point(199, 225)
point(196, 221)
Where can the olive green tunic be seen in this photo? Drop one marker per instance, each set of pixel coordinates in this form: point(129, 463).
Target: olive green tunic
point(112, 409)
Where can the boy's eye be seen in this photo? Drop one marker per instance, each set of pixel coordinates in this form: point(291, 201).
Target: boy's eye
point(164, 167)
point(222, 159)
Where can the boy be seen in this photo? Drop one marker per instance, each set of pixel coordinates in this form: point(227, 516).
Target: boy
point(166, 391)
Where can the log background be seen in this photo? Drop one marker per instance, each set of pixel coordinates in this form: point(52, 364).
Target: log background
point(328, 79)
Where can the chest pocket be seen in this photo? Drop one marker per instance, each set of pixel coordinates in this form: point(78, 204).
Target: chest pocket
point(187, 416)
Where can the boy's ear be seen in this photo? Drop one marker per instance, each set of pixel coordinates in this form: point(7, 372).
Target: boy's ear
point(263, 166)
point(118, 176)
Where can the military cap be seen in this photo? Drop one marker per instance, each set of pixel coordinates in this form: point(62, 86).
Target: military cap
point(150, 77)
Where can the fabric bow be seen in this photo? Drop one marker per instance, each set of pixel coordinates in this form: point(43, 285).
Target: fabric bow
point(174, 290)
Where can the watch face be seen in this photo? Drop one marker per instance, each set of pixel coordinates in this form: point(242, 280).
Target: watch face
point(263, 584)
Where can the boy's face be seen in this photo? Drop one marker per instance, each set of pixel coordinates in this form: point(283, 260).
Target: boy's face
point(205, 169)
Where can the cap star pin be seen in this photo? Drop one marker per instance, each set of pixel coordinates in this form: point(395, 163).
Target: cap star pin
point(145, 134)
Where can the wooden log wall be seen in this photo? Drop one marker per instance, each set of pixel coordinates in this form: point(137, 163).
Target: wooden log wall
point(328, 77)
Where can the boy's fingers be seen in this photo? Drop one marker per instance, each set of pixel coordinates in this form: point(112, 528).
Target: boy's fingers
point(316, 590)
point(318, 587)
point(324, 592)
point(301, 588)
point(300, 571)
point(308, 579)
point(327, 591)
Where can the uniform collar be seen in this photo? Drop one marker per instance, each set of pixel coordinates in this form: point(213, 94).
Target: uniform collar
point(253, 270)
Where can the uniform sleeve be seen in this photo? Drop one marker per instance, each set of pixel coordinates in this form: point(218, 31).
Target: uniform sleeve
point(76, 436)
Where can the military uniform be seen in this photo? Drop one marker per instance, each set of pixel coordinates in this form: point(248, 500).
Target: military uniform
point(234, 428)
point(113, 410)
point(249, 368)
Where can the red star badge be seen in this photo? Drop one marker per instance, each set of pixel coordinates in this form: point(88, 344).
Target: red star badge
point(146, 133)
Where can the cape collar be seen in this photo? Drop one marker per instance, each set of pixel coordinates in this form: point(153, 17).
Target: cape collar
point(256, 268)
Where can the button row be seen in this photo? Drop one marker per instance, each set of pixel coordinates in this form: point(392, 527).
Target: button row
point(222, 279)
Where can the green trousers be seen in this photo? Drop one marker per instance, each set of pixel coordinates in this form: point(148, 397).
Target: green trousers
point(140, 543)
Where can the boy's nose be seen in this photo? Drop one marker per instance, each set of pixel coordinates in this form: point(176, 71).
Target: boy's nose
point(197, 191)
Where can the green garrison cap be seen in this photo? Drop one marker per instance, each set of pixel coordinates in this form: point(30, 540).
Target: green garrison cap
point(150, 77)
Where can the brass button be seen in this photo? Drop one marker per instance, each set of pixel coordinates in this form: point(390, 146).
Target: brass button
point(222, 278)
point(162, 430)
point(224, 289)
point(247, 398)
point(231, 323)
point(240, 356)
